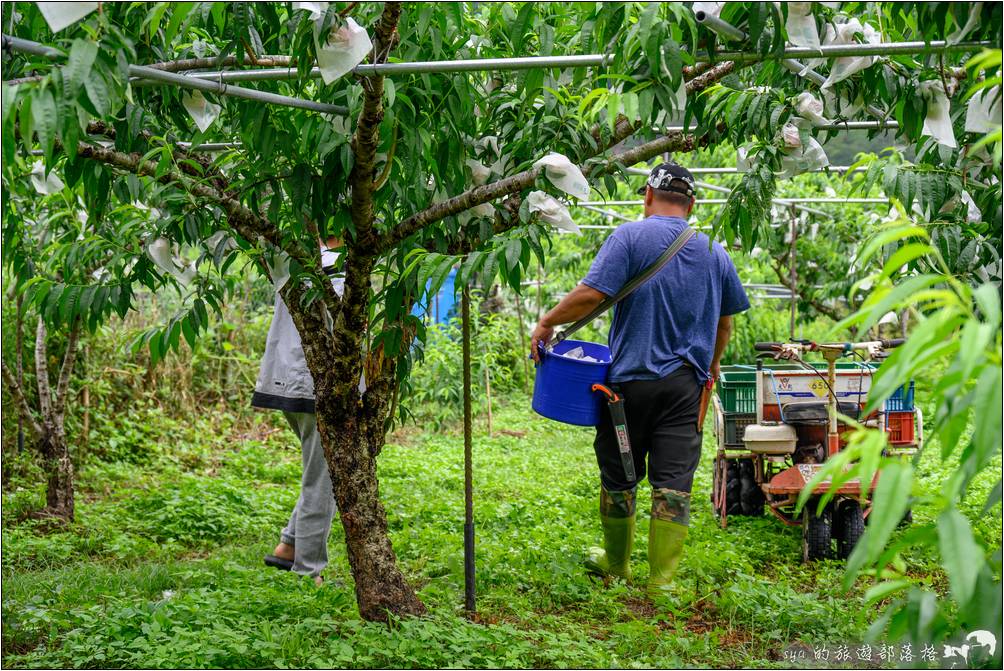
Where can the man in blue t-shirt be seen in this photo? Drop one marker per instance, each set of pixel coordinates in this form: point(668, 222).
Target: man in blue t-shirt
point(667, 340)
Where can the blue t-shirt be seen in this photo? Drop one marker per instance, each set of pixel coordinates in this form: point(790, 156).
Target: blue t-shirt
point(672, 317)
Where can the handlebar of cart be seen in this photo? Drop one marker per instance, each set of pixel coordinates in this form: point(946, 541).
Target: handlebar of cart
point(799, 347)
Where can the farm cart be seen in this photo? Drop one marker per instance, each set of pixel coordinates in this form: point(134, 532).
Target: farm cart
point(777, 422)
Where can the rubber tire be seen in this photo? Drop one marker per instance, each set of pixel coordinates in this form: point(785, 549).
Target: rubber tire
point(751, 497)
point(733, 488)
point(849, 526)
point(816, 533)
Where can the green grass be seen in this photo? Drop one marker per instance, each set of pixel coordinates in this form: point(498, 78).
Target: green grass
point(163, 567)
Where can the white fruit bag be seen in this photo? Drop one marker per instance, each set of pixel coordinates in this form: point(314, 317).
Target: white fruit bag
point(42, 183)
point(842, 68)
point(801, 25)
point(984, 111)
point(938, 122)
point(203, 112)
point(564, 174)
point(551, 211)
point(59, 15)
point(345, 48)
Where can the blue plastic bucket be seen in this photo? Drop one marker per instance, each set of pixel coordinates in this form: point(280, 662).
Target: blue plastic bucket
point(562, 390)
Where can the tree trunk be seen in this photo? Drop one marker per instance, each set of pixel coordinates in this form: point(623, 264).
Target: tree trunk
point(351, 446)
point(59, 499)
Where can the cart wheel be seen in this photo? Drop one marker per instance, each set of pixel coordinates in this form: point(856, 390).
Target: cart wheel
point(816, 535)
point(850, 525)
point(751, 497)
point(733, 488)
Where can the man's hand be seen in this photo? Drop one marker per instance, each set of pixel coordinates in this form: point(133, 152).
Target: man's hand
point(579, 302)
point(542, 335)
point(716, 370)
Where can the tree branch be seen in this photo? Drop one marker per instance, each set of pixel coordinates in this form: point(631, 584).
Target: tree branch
point(14, 388)
point(42, 372)
point(674, 141)
point(367, 135)
point(350, 318)
point(65, 372)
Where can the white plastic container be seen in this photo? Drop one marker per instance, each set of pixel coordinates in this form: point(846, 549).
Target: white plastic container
point(770, 438)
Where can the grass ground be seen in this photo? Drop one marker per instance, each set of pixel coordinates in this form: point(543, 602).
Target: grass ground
point(163, 567)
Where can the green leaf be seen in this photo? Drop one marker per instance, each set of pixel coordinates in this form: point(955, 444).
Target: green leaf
point(45, 119)
point(884, 590)
point(961, 556)
point(179, 11)
point(78, 65)
point(188, 331)
point(389, 90)
point(987, 403)
point(988, 300)
point(904, 255)
point(97, 92)
point(890, 235)
point(889, 504)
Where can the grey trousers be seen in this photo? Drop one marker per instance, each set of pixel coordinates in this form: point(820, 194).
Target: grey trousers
point(310, 522)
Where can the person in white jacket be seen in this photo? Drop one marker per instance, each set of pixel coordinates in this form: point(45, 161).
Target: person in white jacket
point(284, 383)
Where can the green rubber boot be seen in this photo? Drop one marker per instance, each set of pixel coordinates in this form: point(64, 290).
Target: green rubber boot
point(613, 560)
point(666, 536)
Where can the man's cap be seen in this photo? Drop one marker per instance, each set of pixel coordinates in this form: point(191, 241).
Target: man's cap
point(672, 178)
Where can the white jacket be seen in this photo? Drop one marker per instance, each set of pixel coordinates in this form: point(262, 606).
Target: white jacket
point(284, 381)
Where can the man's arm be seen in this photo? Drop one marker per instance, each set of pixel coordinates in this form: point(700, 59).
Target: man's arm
point(576, 305)
point(721, 340)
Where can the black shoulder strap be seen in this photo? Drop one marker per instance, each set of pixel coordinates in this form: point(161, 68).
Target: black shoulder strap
point(630, 286)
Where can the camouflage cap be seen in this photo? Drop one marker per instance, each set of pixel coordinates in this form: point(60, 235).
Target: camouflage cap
point(670, 177)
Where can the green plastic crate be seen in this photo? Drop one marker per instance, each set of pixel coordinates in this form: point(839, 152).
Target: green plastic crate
point(737, 391)
point(735, 427)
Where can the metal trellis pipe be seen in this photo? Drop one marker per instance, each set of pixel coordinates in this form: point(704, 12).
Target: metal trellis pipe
point(776, 201)
point(210, 146)
point(736, 171)
point(878, 124)
point(721, 201)
point(609, 213)
point(582, 60)
point(727, 30)
point(222, 88)
point(854, 49)
point(185, 81)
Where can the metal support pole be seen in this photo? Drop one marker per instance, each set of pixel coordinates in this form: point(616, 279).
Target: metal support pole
point(540, 288)
point(19, 334)
point(608, 213)
point(535, 62)
point(522, 342)
point(209, 146)
point(213, 85)
point(776, 201)
point(735, 171)
point(792, 276)
point(721, 201)
point(595, 60)
point(469, 604)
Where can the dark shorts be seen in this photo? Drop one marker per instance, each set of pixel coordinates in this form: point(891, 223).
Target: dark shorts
point(662, 425)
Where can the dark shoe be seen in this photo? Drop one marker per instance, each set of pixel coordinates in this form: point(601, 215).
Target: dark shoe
point(278, 562)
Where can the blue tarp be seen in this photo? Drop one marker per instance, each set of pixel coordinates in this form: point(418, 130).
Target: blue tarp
point(443, 306)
